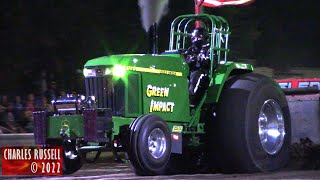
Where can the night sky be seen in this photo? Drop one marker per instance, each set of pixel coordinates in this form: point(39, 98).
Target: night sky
point(57, 37)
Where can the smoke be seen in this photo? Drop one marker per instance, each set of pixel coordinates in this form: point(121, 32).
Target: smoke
point(152, 11)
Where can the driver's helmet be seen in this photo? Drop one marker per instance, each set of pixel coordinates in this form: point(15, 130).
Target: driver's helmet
point(199, 36)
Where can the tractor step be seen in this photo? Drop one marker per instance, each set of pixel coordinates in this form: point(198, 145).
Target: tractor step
point(94, 148)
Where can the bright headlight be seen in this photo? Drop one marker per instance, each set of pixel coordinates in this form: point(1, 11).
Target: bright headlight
point(119, 71)
point(89, 72)
point(107, 71)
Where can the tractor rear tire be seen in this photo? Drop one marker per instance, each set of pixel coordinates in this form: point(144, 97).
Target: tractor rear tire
point(150, 145)
point(253, 127)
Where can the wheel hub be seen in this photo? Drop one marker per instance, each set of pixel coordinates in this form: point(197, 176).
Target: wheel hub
point(157, 143)
point(271, 127)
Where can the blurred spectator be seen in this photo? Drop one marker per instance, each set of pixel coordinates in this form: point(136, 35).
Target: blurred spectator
point(11, 121)
point(18, 108)
point(45, 106)
point(3, 116)
point(52, 92)
point(30, 103)
point(17, 116)
point(7, 120)
point(28, 121)
point(27, 115)
point(63, 94)
point(4, 101)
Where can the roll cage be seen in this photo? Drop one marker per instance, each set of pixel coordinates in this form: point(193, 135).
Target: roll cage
point(217, 27)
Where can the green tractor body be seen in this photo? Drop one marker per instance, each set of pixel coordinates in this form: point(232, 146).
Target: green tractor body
point(136, 103)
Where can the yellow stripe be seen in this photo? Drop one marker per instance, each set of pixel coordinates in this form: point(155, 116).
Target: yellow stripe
point(156, 71)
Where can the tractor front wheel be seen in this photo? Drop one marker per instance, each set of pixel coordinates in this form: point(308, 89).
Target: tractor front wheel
point(72, 161)
point(150, 145)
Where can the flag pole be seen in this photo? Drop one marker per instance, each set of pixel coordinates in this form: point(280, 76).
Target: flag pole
point(198, 10)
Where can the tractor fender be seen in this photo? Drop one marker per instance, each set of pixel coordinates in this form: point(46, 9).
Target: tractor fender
point(221, 75)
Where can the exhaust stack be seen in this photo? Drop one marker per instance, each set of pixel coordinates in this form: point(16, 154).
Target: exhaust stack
point(153, 39)
point(151, 12)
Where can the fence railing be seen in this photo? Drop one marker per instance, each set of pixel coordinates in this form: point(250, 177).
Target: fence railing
point(21, 139)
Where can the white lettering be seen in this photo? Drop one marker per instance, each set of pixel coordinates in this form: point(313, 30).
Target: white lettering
point(159, 106)
point(157, 91)
point(5, 154)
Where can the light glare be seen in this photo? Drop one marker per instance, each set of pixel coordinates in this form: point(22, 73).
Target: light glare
point(89, 72)
point(107, 71)
point(119, 71)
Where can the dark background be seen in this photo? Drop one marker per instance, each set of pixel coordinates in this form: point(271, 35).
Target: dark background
point(57, 37)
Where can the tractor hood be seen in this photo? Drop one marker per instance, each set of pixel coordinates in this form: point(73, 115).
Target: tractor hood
point(162, 64)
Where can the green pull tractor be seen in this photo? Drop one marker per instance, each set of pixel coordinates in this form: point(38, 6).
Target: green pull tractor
point(139, 104)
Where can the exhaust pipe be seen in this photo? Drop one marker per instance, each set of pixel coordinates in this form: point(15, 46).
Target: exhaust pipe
point(153, 39)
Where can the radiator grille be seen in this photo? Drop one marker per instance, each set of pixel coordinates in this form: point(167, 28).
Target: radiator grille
point(108, 94)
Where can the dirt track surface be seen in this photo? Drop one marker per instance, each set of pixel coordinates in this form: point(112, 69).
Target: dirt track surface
point(111, 170)
point(123, 171)
point(106, 168)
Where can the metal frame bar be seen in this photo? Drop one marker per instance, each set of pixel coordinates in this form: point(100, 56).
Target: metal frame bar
point(218, 30)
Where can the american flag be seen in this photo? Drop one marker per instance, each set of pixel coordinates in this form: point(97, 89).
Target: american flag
point(218, 3)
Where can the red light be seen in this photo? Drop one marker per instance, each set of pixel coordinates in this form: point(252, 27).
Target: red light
point(175, 136)
point(115, 143)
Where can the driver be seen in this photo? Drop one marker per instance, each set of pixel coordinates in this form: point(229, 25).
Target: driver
point(198, 58)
